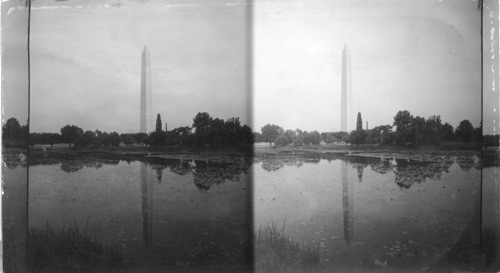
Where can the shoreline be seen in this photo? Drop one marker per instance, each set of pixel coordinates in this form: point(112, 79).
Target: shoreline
point(490, 157)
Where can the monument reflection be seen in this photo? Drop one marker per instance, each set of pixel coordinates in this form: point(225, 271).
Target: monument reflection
point(348, 203)
point(147, 204)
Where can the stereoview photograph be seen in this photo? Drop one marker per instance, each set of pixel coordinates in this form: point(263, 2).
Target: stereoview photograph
point(250, 136)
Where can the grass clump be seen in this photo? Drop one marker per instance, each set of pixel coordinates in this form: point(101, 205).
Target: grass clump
point(276, 252)
point(68, 248)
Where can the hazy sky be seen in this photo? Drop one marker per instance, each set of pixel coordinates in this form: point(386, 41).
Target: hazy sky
point(86, 59)
point(14, 62)
point(422, 56)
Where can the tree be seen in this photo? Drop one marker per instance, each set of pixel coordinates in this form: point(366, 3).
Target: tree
point(359, 123)
point(327, 137)
point(257, 137)
point(11, 129)
point(70, 133)
point(491, 141)
point(230, 132)
point(158, 123)
point(221, 132)
point(282, 140)
point(416, 134)
point(90, 138)
point(299, 139)
point(465, 131)
point(51, 138)
point(127, 139)
point(270, 132)
point(382, 134)
point(114, 139)
point(447, 132)
point(404, 123)
point(432, 130)
point(245, 135)
point(35, 139)
point(478, 133)
point(312, 138)
point(341, 136)
point(156, 138)
point(202, 122)
point(291, 135)
point(357, 137)
point(141, 138)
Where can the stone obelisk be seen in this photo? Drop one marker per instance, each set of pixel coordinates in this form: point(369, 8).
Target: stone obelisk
point(146, 95)
point(346, 118)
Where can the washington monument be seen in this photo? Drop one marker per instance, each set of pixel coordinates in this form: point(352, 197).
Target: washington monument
point(146, 96)
point(346, 118)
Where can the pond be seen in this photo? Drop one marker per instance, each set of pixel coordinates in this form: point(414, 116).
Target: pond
point(374, 214)
point(361, 213)
point(158, 213)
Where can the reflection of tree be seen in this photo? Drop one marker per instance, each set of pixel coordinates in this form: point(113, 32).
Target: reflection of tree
point(409, 174)
point(467, 163)
point(272, 164)
point(276, 163)
point(310, 160)
point(383, 166)
point(207, 173)
point(180, 167)
point(12, 164)
point(71, 166)
point(359, 168)
point(108, 161)
point(159, 171)
point(96, 165)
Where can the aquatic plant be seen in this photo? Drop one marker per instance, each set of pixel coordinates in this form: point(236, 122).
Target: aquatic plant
point(68, 248)
point(276, 252)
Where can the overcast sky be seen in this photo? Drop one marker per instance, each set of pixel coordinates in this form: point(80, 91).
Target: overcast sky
point(421, 56)
point(14, 62)
point(86, 61)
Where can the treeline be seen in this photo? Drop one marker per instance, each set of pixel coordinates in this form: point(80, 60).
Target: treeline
point(406, 130)
point(13, 134)
point(205, 132)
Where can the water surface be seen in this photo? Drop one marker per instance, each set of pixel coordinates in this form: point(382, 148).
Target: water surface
point(159, 213)
point(371, 214)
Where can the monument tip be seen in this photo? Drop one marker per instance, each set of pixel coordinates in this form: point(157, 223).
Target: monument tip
point(145, 48)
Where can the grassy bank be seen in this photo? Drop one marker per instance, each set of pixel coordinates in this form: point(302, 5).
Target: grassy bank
point(68, 248)
point(490, 157)
point(276, 252)
point(134, 152)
